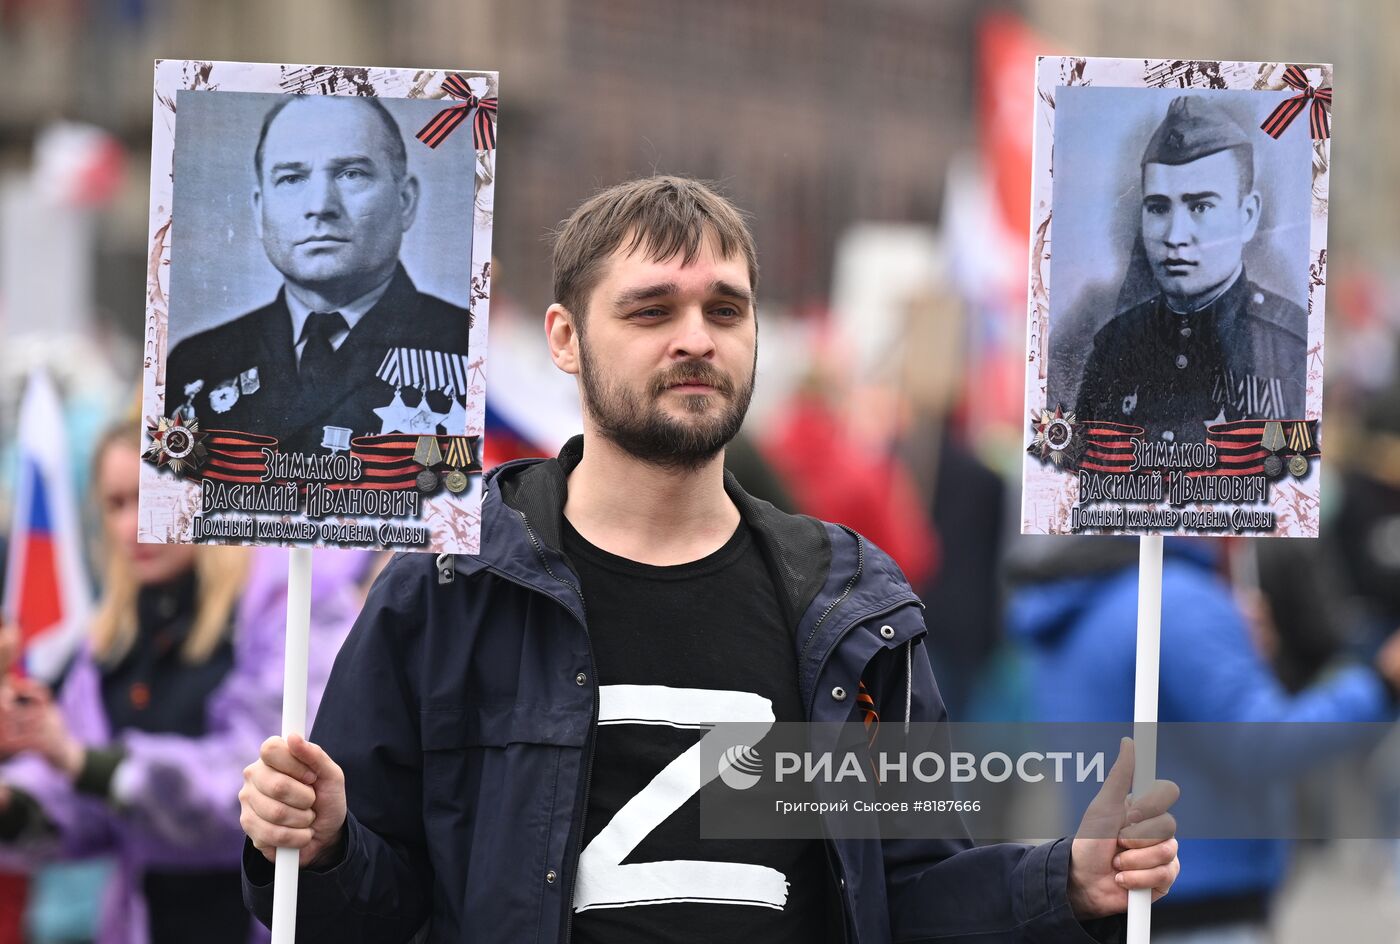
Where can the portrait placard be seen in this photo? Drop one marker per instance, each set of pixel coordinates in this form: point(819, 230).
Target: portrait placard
point(1177, 288)
point(317, 297)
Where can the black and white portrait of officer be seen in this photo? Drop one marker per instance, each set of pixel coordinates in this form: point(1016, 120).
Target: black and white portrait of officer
point(1192, 339)
point(348, 345)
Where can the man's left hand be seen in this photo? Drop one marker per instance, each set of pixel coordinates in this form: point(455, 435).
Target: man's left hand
point(1123, 843)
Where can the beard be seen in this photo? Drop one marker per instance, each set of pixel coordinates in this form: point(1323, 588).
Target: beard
point(637, 424)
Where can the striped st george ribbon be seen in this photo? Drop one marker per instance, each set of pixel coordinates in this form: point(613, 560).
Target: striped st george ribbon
point(235, 456)
point(1240, 446)
point(1108, 447)
point(869, 717)
point(460, 453)
point(389, 461)
point(482, 110)
point(1281, 117)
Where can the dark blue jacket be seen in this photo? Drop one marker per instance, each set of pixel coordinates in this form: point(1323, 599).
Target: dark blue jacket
point(462, 713)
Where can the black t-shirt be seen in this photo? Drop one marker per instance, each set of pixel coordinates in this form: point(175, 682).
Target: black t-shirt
point(678, 649)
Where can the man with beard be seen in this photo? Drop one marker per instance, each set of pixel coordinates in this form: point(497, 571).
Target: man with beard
point(516, 736)
point(1211, 346)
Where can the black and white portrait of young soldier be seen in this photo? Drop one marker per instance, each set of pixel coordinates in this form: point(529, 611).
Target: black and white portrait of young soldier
point(1207, 344)
point(348, 345)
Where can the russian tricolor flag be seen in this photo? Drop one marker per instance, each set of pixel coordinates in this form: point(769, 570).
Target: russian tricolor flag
point(46, 585)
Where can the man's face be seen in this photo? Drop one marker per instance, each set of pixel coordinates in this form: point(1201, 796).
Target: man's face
point(1195, 223)
point(667, 355)
point(328, 207)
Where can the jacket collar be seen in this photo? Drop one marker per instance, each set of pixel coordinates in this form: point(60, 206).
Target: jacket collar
point(522, 524)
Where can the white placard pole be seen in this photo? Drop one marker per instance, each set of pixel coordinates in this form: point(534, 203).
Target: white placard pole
point(1149, 657)
point(284, 882)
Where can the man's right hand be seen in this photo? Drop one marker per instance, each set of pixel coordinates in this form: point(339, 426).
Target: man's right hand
point(293, 796)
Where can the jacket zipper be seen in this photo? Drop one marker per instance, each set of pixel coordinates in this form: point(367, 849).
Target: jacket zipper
point(850, 584)
point(833, 858)
point(592, 728)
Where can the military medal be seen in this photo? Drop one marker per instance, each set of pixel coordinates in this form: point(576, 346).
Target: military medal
point(1056, 438)
point(335, 438)
point(427, 454)
point(1298, 466)
point(423, 419)
point(459, 456)
point(455, 422)
point(248, 382)
point(177, 444)
point(186, 410)
point(394, 415)
point(224, 396)
point(1273, 441)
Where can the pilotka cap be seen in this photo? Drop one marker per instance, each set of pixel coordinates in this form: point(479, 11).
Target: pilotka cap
point(1193, 129)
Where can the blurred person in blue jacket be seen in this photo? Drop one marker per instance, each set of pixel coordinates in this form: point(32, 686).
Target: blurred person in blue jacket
point(1074, 609)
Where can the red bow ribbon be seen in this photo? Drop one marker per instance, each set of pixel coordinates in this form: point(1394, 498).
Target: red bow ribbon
point(1282, 116)
point(446, 121)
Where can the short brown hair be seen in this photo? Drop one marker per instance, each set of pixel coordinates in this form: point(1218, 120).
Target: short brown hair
point(664, 215)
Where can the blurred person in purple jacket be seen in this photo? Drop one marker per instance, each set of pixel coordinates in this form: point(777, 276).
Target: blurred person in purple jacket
point(139, 756)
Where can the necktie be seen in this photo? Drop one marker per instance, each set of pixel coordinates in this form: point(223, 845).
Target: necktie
point(317, 355)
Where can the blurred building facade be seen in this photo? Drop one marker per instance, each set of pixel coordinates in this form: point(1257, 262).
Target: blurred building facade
point(811, 115)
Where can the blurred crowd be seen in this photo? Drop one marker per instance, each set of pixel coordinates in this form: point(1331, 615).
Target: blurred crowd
point(889, 399)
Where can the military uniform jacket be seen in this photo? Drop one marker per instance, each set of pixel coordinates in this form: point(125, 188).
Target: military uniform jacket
point(1244, 356)
point(245, 371)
